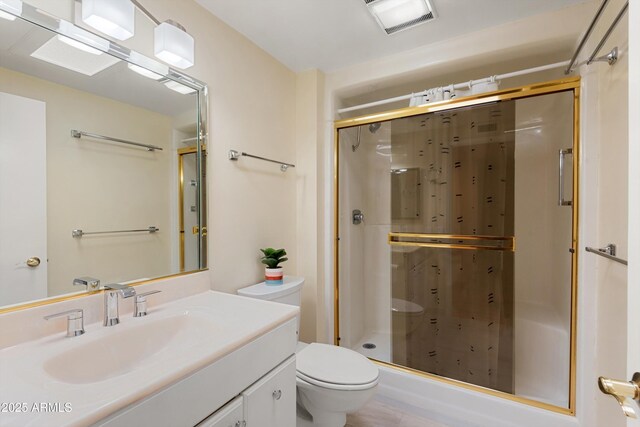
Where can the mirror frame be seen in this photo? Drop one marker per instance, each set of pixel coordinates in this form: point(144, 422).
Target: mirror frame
point(35, 16)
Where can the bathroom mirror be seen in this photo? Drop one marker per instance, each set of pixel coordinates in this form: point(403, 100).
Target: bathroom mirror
point(102, 158)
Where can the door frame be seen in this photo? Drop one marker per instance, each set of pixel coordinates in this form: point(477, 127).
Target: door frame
point(181, 153)
point(527, 91)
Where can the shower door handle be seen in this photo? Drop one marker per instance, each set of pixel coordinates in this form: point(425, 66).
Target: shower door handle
point(561, 200)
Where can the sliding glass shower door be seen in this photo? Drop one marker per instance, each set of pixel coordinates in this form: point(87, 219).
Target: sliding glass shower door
point(455, 239)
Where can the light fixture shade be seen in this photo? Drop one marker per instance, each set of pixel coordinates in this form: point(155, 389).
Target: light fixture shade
point(115, 18)
point(398, 15)
point(13, 6)
point(180, 88)
point(173, 45)
point(144, 72)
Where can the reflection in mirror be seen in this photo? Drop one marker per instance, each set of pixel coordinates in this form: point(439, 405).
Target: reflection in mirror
point(99, 163)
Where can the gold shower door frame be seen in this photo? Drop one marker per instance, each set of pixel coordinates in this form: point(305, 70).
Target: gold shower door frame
point(181, 153)
point(527, 91)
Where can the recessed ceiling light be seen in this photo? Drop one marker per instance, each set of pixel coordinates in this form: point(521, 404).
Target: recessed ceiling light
point(144, 72)
point(60, 53)
point(398, 15)
point(13, 6)
point(179, 87)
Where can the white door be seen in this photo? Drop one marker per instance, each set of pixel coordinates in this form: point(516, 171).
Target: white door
point(23, 199)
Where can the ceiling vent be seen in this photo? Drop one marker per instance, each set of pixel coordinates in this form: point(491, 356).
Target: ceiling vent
point(397, 15)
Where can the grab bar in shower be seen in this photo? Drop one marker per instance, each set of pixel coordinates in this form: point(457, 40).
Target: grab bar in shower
point(453, 241)
point(608, 252)
point(79, 134)
point(79, 233)
point(235, 155)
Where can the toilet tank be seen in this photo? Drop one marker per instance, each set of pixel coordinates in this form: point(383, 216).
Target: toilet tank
point(287, 293)
point(290, 292)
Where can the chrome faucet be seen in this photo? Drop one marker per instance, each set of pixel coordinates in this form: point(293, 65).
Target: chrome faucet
point(111, 293)
point(75, 321)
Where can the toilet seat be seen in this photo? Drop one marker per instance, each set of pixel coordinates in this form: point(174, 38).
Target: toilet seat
point(335, 368)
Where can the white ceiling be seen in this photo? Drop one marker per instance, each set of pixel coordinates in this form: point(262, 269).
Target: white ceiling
point(332, 34)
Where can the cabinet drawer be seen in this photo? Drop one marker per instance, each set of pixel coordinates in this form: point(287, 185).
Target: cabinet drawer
point(271, 401)
point(230, 415)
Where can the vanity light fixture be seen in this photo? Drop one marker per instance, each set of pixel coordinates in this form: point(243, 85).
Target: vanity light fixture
point(144, 72)
point(172, 43)
point(398, 15)
point(116, 18)
point(13, 6)
point(179, 87)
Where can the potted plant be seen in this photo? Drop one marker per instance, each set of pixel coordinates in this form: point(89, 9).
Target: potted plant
point(272, 259)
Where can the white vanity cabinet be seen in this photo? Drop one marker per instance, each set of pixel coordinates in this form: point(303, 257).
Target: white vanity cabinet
point(271, 402)
point(258, 380)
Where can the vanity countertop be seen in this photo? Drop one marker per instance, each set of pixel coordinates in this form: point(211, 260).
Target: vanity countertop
point(77, 381)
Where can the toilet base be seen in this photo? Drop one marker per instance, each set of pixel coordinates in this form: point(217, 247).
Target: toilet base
point(334, 420)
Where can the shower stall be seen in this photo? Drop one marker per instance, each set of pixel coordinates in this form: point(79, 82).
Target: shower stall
point(456, 239)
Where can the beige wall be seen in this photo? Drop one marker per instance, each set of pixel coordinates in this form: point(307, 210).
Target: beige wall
point(309, 131)
point(97, 186)
point(252, 108)
point(604, 214)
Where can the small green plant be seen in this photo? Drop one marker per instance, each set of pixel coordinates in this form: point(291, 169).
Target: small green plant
point(273, 257)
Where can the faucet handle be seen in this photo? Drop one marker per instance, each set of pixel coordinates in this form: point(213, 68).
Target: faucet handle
point(75, 321)
point(91, 283)
point(140, 304)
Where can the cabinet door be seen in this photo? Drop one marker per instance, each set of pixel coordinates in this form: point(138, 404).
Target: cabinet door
point(230, 415)
point(271, 402)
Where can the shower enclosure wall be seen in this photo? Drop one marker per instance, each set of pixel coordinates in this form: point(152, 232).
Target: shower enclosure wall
point(456, 241)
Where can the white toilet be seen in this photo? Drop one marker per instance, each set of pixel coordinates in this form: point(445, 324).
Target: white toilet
point(331, 381)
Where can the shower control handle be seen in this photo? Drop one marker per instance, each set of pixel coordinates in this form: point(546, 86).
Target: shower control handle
point(357, 216)
point(561, 200)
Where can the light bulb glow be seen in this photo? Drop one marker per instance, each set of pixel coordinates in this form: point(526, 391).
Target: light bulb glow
point(144, 72)
point(115, 18)
point(83, 47)
point(178, 87)
point(173, 45)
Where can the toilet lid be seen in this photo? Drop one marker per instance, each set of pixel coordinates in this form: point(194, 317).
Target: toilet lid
point(330, 364)
point(402, 306)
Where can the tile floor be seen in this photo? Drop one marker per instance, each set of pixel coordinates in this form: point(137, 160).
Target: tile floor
point(379, 414)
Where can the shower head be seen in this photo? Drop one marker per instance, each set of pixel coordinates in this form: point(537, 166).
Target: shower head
point(373, 127)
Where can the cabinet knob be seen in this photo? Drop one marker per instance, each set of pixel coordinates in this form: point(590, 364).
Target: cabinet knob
point(277, 394)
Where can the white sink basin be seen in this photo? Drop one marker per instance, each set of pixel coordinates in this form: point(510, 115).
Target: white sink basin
point(109, 368)
point(120, 353)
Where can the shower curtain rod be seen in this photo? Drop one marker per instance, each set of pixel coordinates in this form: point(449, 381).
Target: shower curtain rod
point(466, 85)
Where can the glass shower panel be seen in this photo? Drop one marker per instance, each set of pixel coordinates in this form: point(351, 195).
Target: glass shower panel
point(460, 265)
point(466, 293)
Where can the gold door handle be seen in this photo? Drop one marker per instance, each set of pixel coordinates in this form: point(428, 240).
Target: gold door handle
point(33, 261)
point(624, 392)
point(195, 230)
